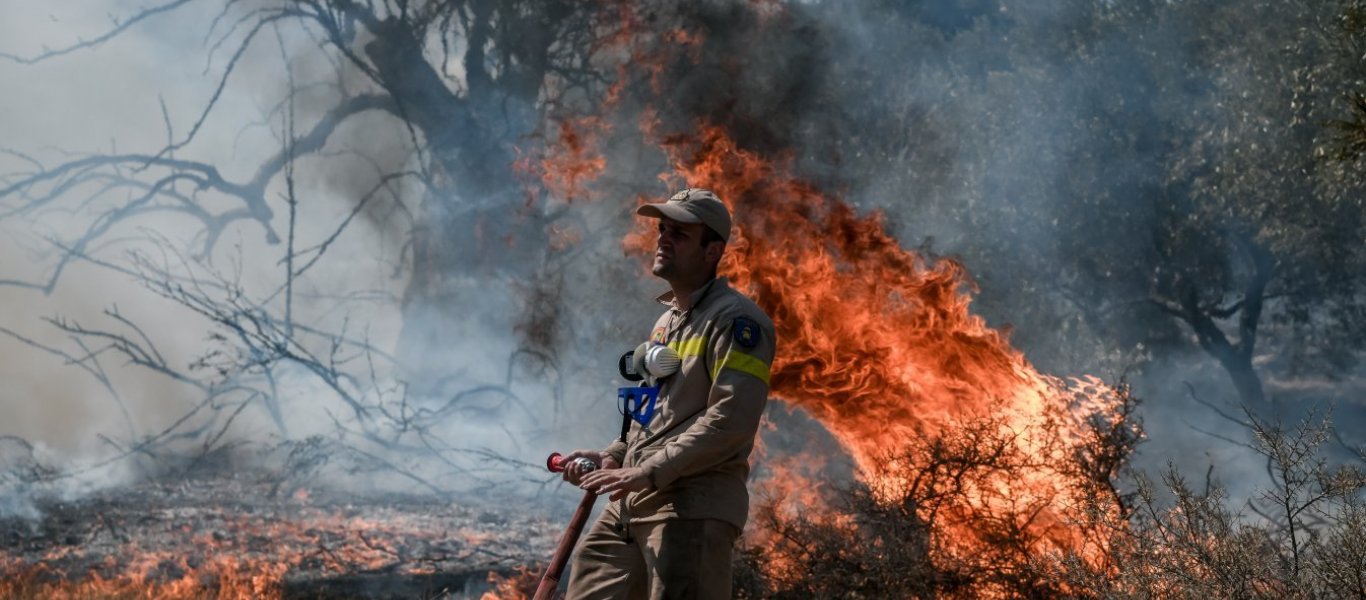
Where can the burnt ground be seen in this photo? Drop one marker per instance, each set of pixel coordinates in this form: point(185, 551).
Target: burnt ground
point(240, 532)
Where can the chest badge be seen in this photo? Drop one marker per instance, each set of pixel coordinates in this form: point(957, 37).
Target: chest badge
point(746, 332)
point(658, 335)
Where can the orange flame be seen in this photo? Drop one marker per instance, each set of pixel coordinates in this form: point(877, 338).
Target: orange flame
point(879, 345)
point(244, 558)
point(520, 586)
point(576, 162)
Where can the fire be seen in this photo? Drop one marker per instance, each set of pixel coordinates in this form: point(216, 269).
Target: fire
point(147, 575)
point(565, 172)
point(875, 342)
point(231, 553)
point(879, 345)
point(520, 586)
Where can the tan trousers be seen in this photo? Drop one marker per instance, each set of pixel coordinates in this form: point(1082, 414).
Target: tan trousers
point(674, 560)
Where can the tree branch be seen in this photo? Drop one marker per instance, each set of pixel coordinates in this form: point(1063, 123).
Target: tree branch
point(102, 38)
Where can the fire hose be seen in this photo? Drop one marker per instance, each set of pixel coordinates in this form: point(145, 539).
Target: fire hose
point(551, 580)
point(649, 362)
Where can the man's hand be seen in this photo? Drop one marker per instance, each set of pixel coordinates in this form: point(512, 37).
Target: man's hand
point(616, 481)
point(574, 472)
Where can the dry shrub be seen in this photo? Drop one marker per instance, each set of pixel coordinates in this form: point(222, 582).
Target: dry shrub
point(820, 555)
point(1302, 537)
point(935, 523)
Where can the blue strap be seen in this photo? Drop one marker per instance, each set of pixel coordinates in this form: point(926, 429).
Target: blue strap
point(638, 402)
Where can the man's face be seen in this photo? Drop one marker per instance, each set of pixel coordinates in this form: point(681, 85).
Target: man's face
point(680, 253)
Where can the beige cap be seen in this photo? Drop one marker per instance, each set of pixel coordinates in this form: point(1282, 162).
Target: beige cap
point(693, 205)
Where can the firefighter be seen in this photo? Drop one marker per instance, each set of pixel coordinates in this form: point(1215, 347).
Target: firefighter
point(678, 484)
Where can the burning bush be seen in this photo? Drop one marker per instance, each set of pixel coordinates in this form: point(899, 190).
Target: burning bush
point(938, 519)
point(1301, 536)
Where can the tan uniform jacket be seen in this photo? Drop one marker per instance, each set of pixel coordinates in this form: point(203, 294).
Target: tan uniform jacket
point(696, 448)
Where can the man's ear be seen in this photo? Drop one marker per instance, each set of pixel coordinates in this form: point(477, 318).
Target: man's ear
point(714, 251)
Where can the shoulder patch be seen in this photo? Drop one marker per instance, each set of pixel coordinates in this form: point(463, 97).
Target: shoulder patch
point(658, 335)
point(746, 332)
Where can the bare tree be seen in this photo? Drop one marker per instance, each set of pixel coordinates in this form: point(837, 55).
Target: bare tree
point(467, 82)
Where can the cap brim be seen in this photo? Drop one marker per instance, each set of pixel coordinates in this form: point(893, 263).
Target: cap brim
point(677, 213)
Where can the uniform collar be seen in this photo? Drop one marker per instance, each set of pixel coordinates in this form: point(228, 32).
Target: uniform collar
point(667, 298)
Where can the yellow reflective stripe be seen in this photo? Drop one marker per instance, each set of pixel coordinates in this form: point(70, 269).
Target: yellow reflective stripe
point(743, 363)
point(692, 346)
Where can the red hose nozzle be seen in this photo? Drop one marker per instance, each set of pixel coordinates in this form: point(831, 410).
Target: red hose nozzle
point(556, 464)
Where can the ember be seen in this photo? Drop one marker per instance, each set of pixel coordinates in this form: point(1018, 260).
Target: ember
point(207, 538)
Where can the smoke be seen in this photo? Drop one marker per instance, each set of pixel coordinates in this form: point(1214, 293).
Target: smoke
point(506, 356)
point(1032, 141)
point(110, 99)
point(982, 129)
point(45, 109)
